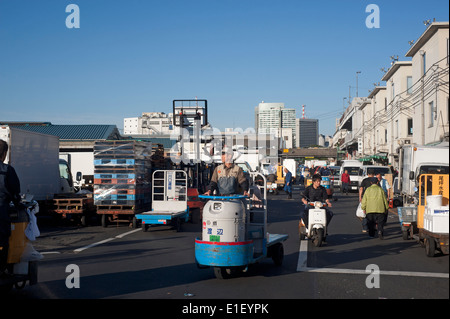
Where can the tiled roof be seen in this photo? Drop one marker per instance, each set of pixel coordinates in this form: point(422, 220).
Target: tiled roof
point(75, 132)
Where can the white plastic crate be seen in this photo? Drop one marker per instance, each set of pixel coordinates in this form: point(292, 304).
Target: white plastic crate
point(437, 223)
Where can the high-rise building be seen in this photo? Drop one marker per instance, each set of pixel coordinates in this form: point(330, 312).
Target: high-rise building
point(273, 117)
point(307, 132)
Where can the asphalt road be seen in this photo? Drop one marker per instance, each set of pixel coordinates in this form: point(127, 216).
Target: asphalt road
point(118, 262)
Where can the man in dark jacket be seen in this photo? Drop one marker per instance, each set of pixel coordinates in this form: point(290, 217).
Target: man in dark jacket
point(9, 191)
point(315, 192)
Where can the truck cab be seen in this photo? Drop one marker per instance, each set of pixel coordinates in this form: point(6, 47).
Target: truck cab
point(66, 181)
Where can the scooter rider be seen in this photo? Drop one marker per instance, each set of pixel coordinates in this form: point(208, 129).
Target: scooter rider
point(312, 193)
point(227, 177)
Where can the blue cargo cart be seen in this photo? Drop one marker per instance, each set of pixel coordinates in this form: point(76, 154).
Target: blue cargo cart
point(249, 241)
point(169, 200)
point(407, 217)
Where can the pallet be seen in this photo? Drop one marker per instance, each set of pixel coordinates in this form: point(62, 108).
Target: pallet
point(99, 190)
point(99, 197)
point(119, 202)
point(66, 206)
point(113, 181)
point(120, 209)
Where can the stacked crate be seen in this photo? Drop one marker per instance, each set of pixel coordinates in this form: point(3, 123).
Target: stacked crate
point(122, 178)
point(158, 159)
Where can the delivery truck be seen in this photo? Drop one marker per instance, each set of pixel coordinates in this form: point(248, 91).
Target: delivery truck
point(417, 160)
point(35, 157)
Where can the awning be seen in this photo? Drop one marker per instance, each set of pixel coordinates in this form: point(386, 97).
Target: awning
point(371, 157)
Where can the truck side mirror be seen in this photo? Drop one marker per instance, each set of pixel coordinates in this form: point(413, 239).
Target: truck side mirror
point(79, 176)
point(411, 175)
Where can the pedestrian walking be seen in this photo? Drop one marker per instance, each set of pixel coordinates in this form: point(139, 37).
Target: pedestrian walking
point(288, 183)
point(375, 205)
point(345, 180)
point(365, 184)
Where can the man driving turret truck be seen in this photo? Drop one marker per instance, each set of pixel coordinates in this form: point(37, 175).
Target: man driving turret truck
point(228, 178)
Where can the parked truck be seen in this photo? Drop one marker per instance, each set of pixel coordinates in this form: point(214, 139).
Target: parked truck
point(417, 160)
point(35, 157)
point(43, 175)
point(352, 167)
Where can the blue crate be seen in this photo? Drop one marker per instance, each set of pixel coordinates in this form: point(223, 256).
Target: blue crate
point(114, 161)
point(115, 176)
point(407, 214)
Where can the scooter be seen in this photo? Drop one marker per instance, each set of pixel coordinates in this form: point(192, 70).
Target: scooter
point(317, 224)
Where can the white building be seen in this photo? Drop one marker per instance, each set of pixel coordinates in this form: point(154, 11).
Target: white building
point(430, 90)
point(271, 118)
point(150, 123)
point(398, 114)
point(413, 107)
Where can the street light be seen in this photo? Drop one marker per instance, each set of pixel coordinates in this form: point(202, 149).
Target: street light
point(357, 72)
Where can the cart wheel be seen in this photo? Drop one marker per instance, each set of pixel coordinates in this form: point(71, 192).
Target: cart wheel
point(405, 234)
point(104, 221)
point(223, 273)
point(178, 225)
point(430, 246)
point(144, 227)
point(135, 222)
point(277, 254)
point(83, 220)
point(20, 285)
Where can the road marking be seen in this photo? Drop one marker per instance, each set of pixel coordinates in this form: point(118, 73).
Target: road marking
point(302, 266)
point(303, 256)
point(128, 233)
point(105, 241)
point(93, 245)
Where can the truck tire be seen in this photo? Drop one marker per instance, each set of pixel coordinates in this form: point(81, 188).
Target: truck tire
point(430, 246)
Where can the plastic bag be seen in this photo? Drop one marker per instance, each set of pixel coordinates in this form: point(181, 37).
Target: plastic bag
point(30, 254)
point(32, 230)
point(359, 212)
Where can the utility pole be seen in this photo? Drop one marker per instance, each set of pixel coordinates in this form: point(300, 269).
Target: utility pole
point(357, 72)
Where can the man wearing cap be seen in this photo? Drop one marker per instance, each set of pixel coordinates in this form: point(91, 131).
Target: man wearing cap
point(375, 204)
point(228, 177)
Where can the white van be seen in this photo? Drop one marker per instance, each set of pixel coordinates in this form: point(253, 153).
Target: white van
point(353, 168)
point(375, 168)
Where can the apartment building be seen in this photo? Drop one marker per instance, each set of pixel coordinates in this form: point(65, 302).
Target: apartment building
point(413, 106)
point(398, 113)
point(430, 90)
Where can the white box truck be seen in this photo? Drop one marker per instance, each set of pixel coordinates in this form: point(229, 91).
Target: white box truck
point(416, 160)
point(35, 158)
point(353, 167)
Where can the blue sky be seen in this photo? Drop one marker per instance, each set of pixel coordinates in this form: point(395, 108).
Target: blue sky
point(134, 56)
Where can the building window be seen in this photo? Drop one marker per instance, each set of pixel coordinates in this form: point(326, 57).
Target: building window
point(424, 63)
point(392, 91)
point(409, 84)
point(410, 126)
point(396, 128)
point(385, 136)
point(432, 113)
